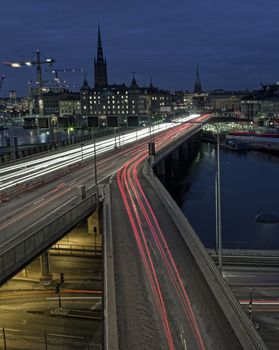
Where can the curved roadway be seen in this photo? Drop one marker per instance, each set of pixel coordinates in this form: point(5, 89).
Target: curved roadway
point(163, 300)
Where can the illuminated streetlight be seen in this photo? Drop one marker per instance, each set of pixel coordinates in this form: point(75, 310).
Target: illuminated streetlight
point(81, 148)
point(218, 215)
point(267, 218)
point(95, 161)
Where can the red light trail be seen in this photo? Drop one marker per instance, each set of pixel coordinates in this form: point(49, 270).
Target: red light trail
point(136, 203)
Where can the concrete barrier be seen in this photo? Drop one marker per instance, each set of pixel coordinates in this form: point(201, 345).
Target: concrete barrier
point(239, 322)
point(109, 301)
point(14, 256)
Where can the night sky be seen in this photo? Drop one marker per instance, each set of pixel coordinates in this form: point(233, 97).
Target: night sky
point(235, 42)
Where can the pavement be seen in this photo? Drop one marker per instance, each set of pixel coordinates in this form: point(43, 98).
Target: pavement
point(30, 312)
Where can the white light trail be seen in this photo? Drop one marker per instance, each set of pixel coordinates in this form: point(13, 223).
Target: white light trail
point(32, 169)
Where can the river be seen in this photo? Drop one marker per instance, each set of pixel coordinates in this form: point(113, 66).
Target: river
point(27, 136)
point(249, 186)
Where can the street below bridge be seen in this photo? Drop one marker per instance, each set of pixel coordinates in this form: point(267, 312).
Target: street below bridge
point(258, 286)
point(31, 317)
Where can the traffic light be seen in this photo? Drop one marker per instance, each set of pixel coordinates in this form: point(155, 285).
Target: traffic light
point(57, 288)
point(61, 278)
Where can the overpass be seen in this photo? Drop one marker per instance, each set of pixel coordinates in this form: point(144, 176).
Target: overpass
point(162, 290)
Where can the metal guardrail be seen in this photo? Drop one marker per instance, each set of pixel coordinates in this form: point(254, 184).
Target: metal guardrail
point(10, 337)
point(85, 250)
point(215, 281)
point(14, 257)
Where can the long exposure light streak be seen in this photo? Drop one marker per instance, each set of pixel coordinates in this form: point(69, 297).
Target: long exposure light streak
point(138, 208)
point(32, 169)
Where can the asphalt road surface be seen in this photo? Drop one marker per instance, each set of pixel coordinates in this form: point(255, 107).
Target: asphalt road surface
point(163, 301)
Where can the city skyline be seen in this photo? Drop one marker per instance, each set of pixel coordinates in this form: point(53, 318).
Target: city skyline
point(234, 44)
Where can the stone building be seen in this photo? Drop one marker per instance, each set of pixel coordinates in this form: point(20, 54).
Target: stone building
point(119, 100)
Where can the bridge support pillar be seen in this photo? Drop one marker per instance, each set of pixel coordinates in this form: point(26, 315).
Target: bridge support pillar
point(93, 223)
point(184, 151)
point(161, 168)
point(46, 275)
point(94, 227)
point(175, 154)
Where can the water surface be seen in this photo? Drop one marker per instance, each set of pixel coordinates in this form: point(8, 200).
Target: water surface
point(249, 186)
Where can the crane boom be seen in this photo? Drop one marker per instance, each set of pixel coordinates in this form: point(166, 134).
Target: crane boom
point(65, 70)
point(38, 62)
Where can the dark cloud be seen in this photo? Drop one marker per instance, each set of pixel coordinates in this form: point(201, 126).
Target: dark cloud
point(235, 43)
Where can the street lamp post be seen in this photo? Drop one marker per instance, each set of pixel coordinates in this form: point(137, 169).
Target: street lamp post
point(151, 143)
point(115, 134)
point(250, 308)
point(95, 159)
point(217, 195)
point(4, 338)
point(218, 217)
point(218, 201)
point(81, 149)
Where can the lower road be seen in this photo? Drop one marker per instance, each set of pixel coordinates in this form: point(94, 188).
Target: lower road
point(257, 289)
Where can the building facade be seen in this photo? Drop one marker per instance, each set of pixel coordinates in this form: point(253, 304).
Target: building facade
point(119, 100)
point(225, 101)
point(70, 104)
point(262, 103)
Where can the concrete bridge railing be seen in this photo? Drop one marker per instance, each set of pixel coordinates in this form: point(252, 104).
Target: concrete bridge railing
point(236, 317)
point(15, 256)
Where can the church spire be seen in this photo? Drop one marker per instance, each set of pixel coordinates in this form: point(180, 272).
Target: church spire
point(198, 87)
point(100, 64)
point(134, 84)
point(100, 57)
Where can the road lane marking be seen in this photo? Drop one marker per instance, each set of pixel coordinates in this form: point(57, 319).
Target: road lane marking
point(36, 222)
point(65, 336)
point(94, 307)
point(259, 302)
point(40, 200)
point(74, 298)
point(12, 330)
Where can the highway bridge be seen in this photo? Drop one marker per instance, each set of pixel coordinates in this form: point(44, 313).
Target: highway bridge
point(162, 291)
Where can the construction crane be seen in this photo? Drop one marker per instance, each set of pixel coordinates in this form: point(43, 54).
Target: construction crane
point(1, 81)
point(56, 71)
point(37, 63)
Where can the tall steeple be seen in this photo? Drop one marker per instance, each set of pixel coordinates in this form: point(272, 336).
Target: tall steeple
point(134, 84)
point(100, 65)
point(198, 87)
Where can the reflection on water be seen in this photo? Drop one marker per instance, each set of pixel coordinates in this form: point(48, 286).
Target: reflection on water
point(24, 136)
point(33, 136)
point(249, 185)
